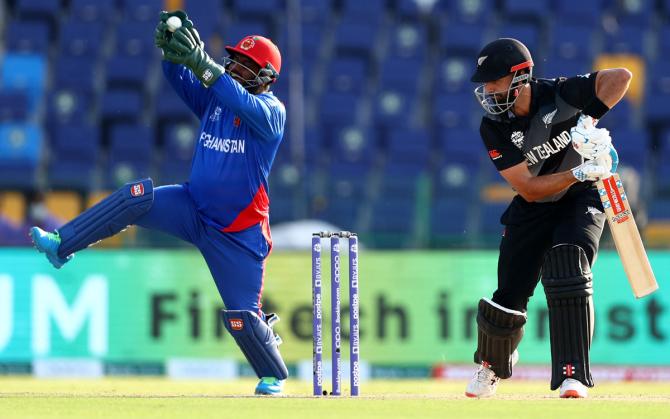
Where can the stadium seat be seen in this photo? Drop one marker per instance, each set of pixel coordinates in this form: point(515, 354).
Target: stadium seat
point(28, 37)
point(392, 223)
point(75, 151)
point(356, 38)
point(64, 205)
point(142, 10)
point(257, 8)
point(407, 146)
point(474, 12)
point(39, 10)
point(639, 13)
point(354, 144)
point(626, 39)
point(130, 150)
point(180, 139)
point(14, 106)
point(208, 16)
point(13, 206)
point(572, 41)
point(457, 110)
point(76, 72)
point(657, 93)
point(347, 75)
point(454, 75)
point(121, 105)
point(393, 107)
point(24, 72)
point(490, 220)
point(238, 30)
point(132, 40)
point(337, 108)
point(461, 38)
point(579, 11)
point(94, 10)
point(20, 152)
point(536, 11)
point(81, 39)
point(68, 105)
point(409, 40)
point(128, 71)
point(449, 220)
point(529, 34)
point(364, 10)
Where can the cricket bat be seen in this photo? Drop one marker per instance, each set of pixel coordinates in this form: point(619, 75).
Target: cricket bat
point(626, 236)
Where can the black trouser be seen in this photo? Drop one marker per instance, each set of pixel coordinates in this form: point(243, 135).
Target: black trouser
point(531, 229)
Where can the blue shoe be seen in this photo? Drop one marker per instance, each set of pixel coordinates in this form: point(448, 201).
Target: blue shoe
point(48, 243)
point(269, 386)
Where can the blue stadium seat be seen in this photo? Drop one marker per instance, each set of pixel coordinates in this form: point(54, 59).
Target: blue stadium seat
point(207, 16)
point(347, 180)
point(536, 11)
point(180, 139)
point(74, 72)
point(457, 176)
point(407, 146)
point(663, 37)
point(456, 110)
point(258, 8)
point(393, 107)
point(27, 37)
point(657, 93)
point(633, 146)
point(121, 105)
point(238, 30)
point(454, 74)
point(555, 66)
point(74, 154)
point(44, 10)
point(24, 72)
point(659, 209)
point(529, 34)
point(619, 117)
point(627, 39)
point(354, 144)
point(572, 41)
point(401, 73)
point(14, 106)
point(130, 150)
point(449, 219)
point(363, 10)
point(337, 108)
point(20, 153)
point(68, 105)
point(639, 13)
point(347, 74)
point(128, 71)
point(392, 217)
point(169, 106)
point(94, 10)
point(476, 12)
point(461, 38)
point(315, 11)
point(490, 219)
point(132, 40)
point(143, 10)
point(412, 9)
point(409, 40)
point(356, 38)
point(81, 39)
point(400, 181)
point(579, 11)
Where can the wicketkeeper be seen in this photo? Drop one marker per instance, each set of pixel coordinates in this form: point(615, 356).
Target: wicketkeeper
point(541, 136)
point(223, 209)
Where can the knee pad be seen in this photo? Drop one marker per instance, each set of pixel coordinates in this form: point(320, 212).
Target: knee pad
point(257, 341)
point(567, 281)
point(108, 217)
point(499, 332)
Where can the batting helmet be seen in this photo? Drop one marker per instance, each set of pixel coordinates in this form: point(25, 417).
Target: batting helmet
point(264, 53)
point(496, 60)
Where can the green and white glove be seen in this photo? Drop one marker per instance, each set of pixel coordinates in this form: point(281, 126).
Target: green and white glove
point(162, 35)
point(186, 48)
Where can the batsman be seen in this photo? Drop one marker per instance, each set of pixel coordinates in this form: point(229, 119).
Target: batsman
point(223, 209)
point(541, 136)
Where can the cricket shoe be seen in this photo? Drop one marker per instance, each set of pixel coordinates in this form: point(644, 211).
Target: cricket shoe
point(572, 389)
point(48, 243)
point(269, 386)
point(485, 381)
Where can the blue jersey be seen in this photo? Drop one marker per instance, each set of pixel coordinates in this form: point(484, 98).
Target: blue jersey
point(239, 136)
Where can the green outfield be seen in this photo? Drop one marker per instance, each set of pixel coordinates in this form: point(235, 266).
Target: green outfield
point(166, 399)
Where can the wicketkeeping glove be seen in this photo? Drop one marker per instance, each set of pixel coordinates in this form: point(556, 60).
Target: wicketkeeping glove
point(186, 48)
point(590, 142)
point(162, 35)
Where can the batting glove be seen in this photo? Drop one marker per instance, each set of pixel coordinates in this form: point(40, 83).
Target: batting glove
point(599, 168)
point(186, 48)
point(590, 142)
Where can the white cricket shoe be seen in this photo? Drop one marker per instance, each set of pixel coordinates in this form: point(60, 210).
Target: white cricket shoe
point(572, 389)
point(485, 381)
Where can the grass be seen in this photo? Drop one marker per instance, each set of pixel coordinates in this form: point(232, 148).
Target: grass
point(22, 397)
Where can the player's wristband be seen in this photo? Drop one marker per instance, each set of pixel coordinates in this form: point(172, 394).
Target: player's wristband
point(595, 108)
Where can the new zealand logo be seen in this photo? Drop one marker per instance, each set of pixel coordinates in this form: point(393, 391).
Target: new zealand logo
point(549, 117)
point(517, 139)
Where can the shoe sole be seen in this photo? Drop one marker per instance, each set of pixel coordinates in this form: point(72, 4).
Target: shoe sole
point(571, 394)
point(474, 396)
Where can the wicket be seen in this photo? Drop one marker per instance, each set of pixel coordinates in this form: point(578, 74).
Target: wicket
point(335, 317)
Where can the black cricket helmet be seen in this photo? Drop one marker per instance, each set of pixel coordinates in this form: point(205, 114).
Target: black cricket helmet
point(496, 60)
